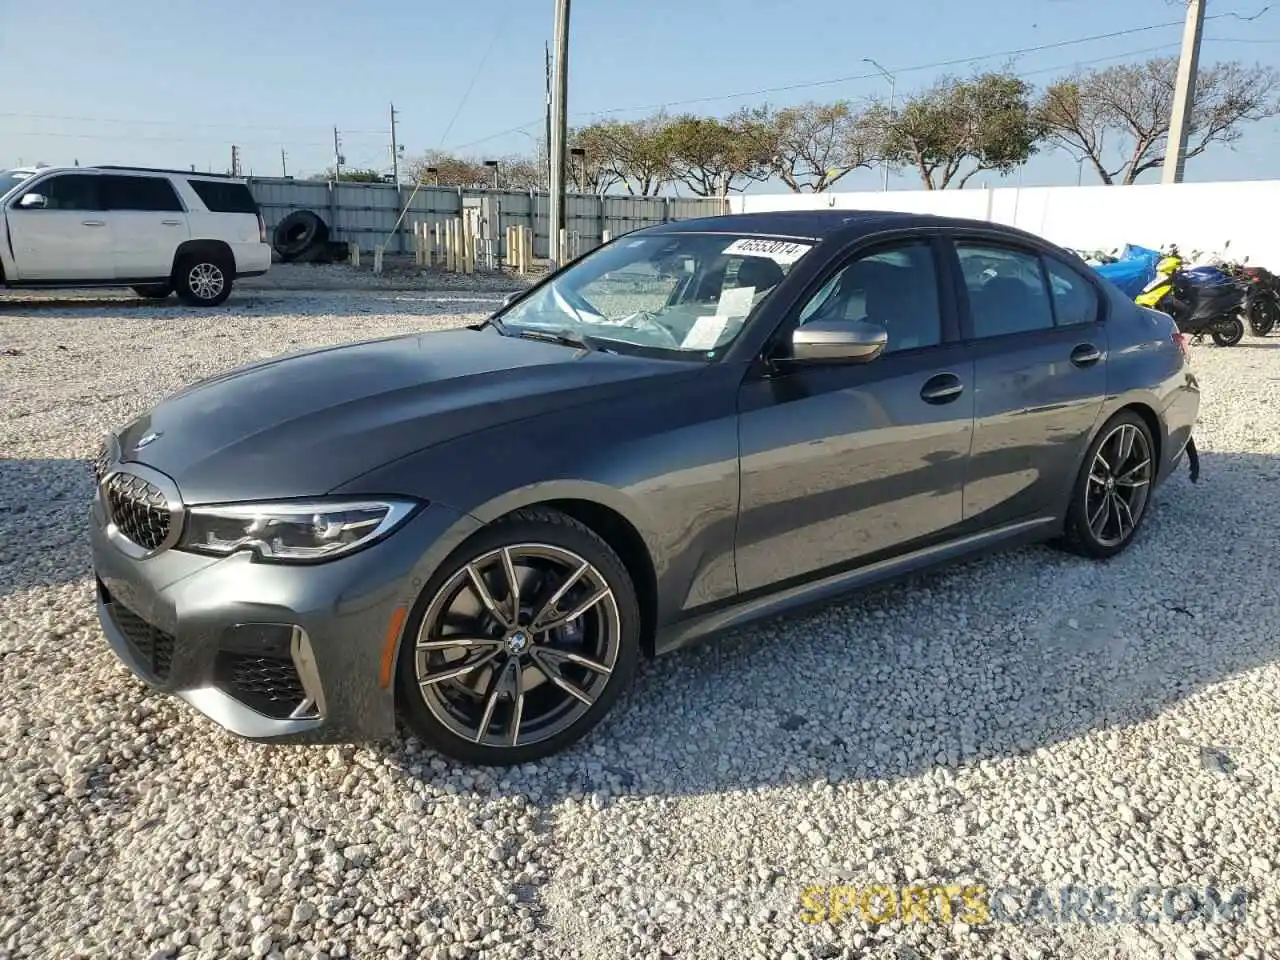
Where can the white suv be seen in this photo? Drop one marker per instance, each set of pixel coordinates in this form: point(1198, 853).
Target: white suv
point(156, 231)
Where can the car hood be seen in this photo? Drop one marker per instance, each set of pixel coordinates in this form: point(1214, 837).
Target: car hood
point(303, 424)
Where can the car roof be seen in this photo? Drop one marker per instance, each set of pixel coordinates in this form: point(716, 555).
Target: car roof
point(821, 224)
point(113, 168)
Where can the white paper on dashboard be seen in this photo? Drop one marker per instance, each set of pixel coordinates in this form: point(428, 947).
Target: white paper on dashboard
point(735, 301)
point(705, 333)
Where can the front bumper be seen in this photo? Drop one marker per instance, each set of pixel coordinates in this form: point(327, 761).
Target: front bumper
point(186, 625)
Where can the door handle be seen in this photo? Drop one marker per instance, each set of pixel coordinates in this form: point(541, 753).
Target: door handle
point(94, 223)
point(172, 223)
point(1085, 355)
point(941, 388)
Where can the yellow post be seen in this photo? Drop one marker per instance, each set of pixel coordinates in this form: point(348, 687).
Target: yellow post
point(377, 259)
point(355, 254)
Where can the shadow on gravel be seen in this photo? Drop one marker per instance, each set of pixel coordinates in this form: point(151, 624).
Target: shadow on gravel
point(44, 507)
point(263, 303)
point(992, 659)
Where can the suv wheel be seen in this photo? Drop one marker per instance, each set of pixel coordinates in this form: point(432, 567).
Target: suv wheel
point(1112, 492)
point(154, 291)
point(203, 280)
point(520, 643)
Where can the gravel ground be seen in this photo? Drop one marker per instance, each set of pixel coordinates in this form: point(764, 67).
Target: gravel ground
point(1030, 719)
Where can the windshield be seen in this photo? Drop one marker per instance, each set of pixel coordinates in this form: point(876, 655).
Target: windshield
point(11, 178)
point(686, 293)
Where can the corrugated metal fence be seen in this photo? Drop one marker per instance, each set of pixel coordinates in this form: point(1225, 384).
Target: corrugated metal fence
point(366, 212)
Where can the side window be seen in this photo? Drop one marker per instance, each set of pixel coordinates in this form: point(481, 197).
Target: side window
point(69, 191)
point(140, 193)
point(1006, 288)
point(1074, 299)
point(895, 287)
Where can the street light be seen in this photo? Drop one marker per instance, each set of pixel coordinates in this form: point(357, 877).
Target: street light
point(581, 155)
point(494, 165)
point(893, 84)
point(434, 173)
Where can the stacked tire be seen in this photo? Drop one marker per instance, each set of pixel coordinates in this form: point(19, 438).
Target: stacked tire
point(302, 237)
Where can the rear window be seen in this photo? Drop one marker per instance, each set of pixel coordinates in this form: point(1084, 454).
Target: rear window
point(222, 197)
point(140, 193)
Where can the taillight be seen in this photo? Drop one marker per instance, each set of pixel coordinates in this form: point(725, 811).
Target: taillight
point(262, 229)
point(1181, 339)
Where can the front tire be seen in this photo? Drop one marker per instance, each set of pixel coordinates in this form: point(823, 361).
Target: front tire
point(203, 280)
point(521, 642)
point(1111, 494)
point(1228, 333)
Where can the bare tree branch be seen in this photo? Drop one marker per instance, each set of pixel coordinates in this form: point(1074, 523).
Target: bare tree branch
point(1118, 118)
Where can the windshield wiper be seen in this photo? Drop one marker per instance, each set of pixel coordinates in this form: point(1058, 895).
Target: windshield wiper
point(562, 337)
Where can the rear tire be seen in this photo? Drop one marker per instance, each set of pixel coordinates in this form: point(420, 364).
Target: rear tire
point(1110, 497)
point(1228, 333)
point(528, 692)
point(203, 279)
point(154, 291)
point(1263, 315)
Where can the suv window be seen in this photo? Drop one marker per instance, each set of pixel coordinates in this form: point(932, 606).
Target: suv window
point(69, 191)
point(895, 287)
point(1007, 292)
point(223, 197)
point(140, 193)
point(1074, 297)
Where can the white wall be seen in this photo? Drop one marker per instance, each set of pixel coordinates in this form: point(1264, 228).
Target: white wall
point(1193, 215)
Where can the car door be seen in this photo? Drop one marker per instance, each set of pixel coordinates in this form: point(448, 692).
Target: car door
point(843, 463)
point(148, 222)
point(1039, 342)
point(58, 230)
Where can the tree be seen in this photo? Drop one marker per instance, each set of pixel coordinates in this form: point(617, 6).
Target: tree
point(958, 128)
point(633, 154)
point(517, 172)
point(1118, 118)
point(451, 171)
point(713, 156)
point(815, 145)
point(352, 176)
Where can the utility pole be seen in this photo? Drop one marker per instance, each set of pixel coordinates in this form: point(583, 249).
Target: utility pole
point(284, 170)
point(235, 160)
point(548, 133)
point(893, 88)
point(559, 130)
point(1184, 95)
point(338, 158)
point(395, 151)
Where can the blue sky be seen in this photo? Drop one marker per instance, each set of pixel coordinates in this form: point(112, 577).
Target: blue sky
point(177, 82)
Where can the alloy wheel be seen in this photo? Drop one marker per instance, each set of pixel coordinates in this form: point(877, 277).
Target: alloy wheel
point(1119, 484)
point(518, 645)
point(206, 280)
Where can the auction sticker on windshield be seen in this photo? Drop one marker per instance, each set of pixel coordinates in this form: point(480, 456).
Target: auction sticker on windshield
point(779, 251)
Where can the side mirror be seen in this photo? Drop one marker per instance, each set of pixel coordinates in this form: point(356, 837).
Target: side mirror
point(33, 201)
point(838, 341)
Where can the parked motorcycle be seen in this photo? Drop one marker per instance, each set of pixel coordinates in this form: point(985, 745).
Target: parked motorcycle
point(1198, 303)
point(1262, 301)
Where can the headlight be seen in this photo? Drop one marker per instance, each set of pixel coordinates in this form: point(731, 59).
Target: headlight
point(311, 531)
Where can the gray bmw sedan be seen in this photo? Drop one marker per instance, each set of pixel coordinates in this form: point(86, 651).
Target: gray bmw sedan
point(695, 426)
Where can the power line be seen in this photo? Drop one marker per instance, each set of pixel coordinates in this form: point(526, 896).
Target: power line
point(785, 88)
point(164, 123)
point(493, 40)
